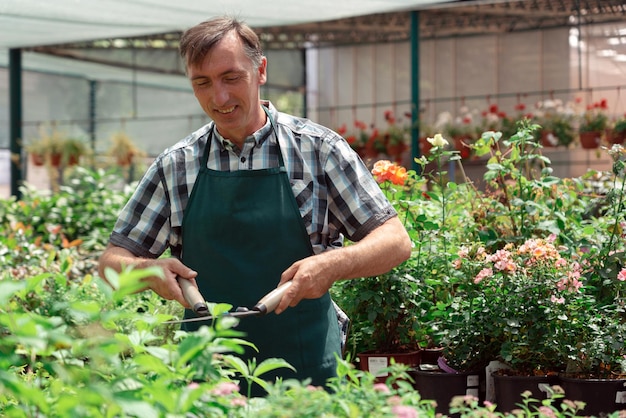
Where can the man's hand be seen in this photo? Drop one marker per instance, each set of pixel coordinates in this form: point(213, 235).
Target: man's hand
point(382, 249)
point(169, 288)
point(166, 287)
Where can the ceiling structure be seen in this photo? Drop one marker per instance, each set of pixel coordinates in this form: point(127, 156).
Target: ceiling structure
point(463, 19)
point(30, 23)
point(437, 19)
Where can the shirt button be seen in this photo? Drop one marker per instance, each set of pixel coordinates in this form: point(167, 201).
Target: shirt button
point(243, 159)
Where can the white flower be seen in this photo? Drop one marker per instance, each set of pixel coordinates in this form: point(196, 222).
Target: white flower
point(443, 119)
point(438, 141)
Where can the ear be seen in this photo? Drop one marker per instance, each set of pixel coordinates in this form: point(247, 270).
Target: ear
point(262, 71)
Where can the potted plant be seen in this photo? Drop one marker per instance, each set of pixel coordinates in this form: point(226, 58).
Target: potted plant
point(617, 133)
point(592, 124)
point(71, 149)
point(557, 122)
point(513, 303)
point(593, 339)
point(46, 148)
point(56, 150)
point(40, 150)
point(557, 130)
point(382, 308)
point(460, 130)
point(123, 149)
point(396, 137)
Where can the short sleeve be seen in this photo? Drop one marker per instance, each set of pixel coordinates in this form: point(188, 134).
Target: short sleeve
point(143, 226)
point(357, 205)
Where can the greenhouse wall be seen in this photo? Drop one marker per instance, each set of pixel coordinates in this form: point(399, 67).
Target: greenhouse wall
point(343, 84)
point(362, 82)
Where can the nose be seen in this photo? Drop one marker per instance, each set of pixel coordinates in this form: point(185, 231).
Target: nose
point(220, 94)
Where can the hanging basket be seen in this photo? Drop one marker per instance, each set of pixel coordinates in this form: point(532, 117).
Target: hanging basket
point(548, 139)
point(614, 137)
point(590, 140)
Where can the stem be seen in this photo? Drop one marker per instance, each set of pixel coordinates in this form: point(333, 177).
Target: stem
point(443, 209)
point(616, 213)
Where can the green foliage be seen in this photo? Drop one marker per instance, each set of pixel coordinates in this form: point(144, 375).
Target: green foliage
point(71, 345)
point(382, 310)
point(593, 120)
point(620, 125)
point(85, 209)
point(524, 200)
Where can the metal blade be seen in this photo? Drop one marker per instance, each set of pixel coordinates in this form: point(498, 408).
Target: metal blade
point(237, 314)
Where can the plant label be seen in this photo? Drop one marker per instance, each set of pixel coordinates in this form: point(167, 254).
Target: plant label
point(375, 364)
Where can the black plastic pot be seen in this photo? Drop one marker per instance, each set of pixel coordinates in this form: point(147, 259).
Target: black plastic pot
point(602, 396)
point(442, 387)
point(509, 389)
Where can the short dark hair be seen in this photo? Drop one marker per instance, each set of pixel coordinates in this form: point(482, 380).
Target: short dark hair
point(198, 40)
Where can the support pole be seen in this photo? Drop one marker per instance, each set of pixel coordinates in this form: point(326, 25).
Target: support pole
point(92, 119)
point(415, 89)
point(15, 120)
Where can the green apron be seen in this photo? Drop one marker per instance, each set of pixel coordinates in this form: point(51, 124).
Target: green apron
point(241, 230)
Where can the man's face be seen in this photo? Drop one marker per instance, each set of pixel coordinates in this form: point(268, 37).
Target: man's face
point(226, 85)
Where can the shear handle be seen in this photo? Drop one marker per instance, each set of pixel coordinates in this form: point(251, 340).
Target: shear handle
point(271, 300)
point(193, 297)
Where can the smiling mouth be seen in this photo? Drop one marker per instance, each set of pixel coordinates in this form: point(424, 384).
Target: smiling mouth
point(226, 111)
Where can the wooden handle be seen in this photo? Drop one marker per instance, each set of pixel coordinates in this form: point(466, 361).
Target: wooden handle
point(271, 300)
point(193, 297)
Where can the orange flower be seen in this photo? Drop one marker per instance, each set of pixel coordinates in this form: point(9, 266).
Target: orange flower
point(69, 244)
point(385, 170)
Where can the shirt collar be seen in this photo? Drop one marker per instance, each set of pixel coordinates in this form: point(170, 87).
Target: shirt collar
point(259, 137)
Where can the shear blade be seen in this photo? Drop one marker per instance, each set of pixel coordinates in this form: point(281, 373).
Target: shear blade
point(238, 313)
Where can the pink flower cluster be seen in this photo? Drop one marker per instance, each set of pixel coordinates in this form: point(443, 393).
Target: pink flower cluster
point(533, 257)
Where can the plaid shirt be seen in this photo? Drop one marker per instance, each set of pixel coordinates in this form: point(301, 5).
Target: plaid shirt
point(334, 190)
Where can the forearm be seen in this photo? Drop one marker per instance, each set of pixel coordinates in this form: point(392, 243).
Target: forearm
point(117, 258)
point(377, 253)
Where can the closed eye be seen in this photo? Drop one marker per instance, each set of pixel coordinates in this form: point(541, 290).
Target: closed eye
point(231, 79)
point(200, 82)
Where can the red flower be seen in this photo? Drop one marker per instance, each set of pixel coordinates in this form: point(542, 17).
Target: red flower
point(360, 125)
point(389, 117)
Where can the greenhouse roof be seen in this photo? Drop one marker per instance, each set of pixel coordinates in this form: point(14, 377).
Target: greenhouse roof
point(29, 23)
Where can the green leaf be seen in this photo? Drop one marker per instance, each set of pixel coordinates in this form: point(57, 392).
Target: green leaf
point(270, 364)
point(8, 289)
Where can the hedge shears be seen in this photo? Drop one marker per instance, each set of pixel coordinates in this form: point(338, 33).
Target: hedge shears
point(192, 295)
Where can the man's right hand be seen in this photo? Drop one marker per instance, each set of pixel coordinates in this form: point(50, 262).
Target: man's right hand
point(167, 287)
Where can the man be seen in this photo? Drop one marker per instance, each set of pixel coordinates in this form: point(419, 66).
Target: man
point(253, 200)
